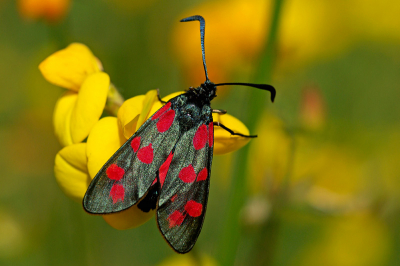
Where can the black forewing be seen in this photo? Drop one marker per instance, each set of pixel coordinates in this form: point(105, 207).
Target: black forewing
point(176, 225)
point(138, 176)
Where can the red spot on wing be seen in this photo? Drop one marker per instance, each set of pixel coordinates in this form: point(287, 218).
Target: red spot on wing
point(202, 175)
point(166, 121)
point(174, 197)
point(175, 218)
point(117, 193)
point(115, 172)
point(164, 168)
point(200, 138)
point(193, 208)
point(187, 174)
point(145, 154)
point(135, 144)
point(210, 134)
point(161, 111)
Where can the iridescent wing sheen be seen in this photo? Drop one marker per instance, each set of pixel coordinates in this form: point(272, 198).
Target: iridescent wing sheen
point(130, 172)
point(184, 192)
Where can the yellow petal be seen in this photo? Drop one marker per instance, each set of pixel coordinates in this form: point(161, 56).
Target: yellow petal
point(68, 68)
point(103, 141)
point(130, 218)
point(157, 105)
point(224, 142)
point(150, 99)
point(92, 98)
point(128, 114)
point(71, 171)
point(62, 117)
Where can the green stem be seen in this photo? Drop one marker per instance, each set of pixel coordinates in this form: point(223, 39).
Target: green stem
point(268, 56)
point(59, 33)
point(230, 236)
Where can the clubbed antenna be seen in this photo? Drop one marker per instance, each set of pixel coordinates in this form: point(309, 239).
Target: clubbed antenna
point(265, 87)
point(202, 28)
point(269, 88)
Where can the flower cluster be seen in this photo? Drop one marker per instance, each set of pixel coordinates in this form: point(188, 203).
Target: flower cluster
point(88, 141)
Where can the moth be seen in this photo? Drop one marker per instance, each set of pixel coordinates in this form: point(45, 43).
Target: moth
point(166, 165)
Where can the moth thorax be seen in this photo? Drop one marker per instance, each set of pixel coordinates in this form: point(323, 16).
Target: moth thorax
point(189, 116)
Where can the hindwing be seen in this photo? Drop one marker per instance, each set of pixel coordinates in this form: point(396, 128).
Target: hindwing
point(184, 193)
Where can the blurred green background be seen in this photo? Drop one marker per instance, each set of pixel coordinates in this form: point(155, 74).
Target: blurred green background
point(320, 186)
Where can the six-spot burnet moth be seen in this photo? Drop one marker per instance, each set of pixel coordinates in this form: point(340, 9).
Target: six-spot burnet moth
point(166, 165)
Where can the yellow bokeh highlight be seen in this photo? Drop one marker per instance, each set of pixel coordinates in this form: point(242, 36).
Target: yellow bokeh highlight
point(351, 240)
point(51, 10)
point(189, 260)
point(271, 153)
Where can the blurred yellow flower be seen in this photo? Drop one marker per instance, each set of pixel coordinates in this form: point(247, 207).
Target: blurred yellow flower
point(309, 31)
point(374, 20)
point(188, 260)
point(351, 240)
point(13, 240)
point(271, 152)
point(77, 69)
point(76, 165)
point(333, 174)
point(50, 10)
point(235, 34)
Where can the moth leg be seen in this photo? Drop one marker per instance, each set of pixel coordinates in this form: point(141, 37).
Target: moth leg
point(159, 98)
point(231, 131)
point(219, 111)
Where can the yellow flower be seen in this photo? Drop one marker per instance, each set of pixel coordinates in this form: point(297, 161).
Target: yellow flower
point(77, 111)
point(51, 10)
point(77, 164)
point(71, 171)
point(69, 67)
